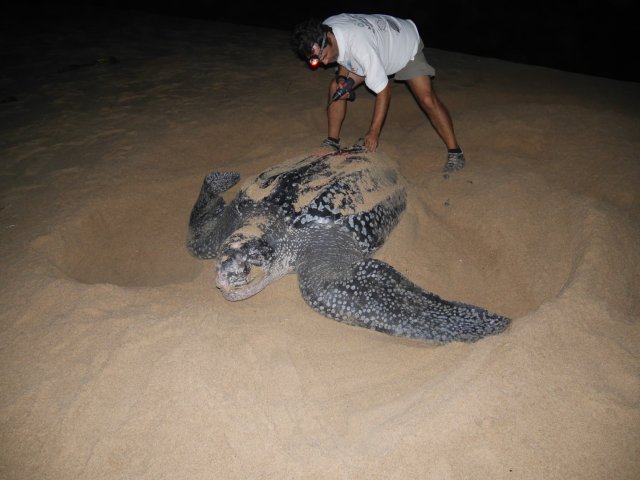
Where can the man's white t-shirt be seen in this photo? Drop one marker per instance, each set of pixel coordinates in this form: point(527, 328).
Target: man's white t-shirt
point(374, 46)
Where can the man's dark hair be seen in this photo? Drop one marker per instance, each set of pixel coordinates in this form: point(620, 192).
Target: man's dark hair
point(305, 34)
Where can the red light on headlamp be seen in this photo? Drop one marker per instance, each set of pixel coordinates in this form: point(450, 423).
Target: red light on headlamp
point(314, 62)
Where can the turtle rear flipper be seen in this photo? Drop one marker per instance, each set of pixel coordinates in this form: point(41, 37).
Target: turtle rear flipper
point(372, 294)
point(210, 222)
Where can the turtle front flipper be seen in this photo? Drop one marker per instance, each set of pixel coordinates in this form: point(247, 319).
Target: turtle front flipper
point(372, 294)
point(210, 222)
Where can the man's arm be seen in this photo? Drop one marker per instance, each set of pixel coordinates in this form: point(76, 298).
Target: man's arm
point(338, 110)
point(380, 109)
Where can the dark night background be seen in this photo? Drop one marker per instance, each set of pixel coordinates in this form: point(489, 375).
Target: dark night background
point(589, 37)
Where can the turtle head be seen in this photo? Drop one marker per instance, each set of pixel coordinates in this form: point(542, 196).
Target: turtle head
point(244, 266)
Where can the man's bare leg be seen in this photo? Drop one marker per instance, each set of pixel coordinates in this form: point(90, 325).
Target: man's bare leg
point(439, 116)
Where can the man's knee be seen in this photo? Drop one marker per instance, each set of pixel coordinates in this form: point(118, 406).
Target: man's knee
point(429, 101)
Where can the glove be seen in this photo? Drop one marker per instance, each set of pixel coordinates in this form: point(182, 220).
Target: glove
point(345, 85)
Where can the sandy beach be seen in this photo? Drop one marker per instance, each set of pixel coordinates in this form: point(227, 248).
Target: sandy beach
point(119, 359)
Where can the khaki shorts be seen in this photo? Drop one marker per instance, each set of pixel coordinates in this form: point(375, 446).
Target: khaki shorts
point(417, 67)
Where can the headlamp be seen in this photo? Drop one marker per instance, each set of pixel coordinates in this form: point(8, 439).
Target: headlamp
point(314, 60)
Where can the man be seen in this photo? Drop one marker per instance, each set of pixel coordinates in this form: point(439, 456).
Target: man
point(368, 49)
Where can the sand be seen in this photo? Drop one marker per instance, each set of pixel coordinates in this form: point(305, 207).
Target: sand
point(120, 360)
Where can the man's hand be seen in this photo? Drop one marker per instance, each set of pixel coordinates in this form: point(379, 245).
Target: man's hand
point(371, 141)
point(345, 89)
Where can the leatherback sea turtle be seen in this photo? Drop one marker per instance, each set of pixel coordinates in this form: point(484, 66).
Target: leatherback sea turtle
point(322, 217)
